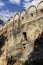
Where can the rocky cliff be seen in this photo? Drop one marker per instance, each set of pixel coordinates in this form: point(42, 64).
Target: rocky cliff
point(21, 38)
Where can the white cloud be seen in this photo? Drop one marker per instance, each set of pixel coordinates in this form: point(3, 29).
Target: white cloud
point(15, 1)
point(35, 2)
point(5, 15)
point(1, 4)
point(26, 3)
point(27, 0)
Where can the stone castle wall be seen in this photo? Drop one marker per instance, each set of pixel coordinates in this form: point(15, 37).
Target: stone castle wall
point(20, 32)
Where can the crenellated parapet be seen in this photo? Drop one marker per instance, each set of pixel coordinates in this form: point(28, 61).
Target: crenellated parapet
point(32, 13)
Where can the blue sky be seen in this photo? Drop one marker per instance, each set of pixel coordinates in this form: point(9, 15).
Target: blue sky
point(9, 7)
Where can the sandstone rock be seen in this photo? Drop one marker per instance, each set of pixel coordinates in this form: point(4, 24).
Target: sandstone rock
point(21, 33)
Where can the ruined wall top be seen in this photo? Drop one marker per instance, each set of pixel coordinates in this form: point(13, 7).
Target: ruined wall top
point(32, 13)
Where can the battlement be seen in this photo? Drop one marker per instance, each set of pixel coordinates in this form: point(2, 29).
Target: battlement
point(29, 15)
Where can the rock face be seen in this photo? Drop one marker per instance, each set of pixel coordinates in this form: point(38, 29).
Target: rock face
point(21, 39)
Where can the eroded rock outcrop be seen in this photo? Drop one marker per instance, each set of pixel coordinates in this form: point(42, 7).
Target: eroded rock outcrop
point(19, 35)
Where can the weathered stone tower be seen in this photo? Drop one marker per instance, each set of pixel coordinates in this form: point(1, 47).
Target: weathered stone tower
point(19, 35)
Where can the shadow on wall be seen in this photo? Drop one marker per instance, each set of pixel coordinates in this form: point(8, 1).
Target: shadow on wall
point(36, 56)
point(2, 42)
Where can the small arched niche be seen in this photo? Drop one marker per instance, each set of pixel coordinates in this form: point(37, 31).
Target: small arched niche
point(40, 8)
point(23, 16)
point(32, 12)
point(16, 19)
